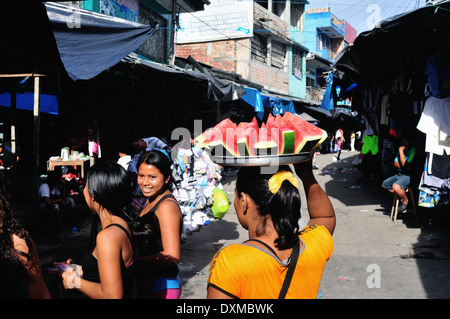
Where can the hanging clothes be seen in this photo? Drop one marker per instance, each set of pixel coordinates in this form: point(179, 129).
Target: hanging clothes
point(434, 122)
point(433, 190)
point(370, 144)
point(94, 140)
point(384, 118)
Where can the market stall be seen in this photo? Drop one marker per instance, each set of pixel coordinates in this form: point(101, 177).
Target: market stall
point(198, 189)
point(402, 74)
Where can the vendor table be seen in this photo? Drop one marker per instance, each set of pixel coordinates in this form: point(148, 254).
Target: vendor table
point(51, 165)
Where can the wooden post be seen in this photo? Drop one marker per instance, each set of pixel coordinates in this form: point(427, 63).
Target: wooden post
point(36, 139)
point(13, 141)
point(172, 33)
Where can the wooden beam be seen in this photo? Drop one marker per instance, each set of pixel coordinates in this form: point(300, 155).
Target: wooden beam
point(36, 138)
point(20, 75)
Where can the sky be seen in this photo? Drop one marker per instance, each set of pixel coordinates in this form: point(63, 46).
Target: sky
point(363, 14)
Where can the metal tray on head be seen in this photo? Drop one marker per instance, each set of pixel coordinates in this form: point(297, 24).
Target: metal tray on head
point(262, 160)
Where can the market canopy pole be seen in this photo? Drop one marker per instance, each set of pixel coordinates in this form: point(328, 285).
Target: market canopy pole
point(36, 128)
point(36, 137)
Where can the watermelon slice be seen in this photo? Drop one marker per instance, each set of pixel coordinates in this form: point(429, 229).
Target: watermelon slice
point(204, 138)
point(207, 136)
point(246, 142)
point(224, 142)
point(248, 137)
point(307, 135)
point(265, 144)
point(282, 135)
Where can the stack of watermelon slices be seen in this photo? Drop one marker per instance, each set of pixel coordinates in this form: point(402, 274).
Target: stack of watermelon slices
point(287, 134)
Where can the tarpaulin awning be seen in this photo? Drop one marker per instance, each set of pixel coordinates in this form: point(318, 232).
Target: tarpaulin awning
point(89, 42)
point(260, 101)
point(412, 33)
point(281, 106)
point(218, 89)
point(328, 98)
point(253, 97)
point(53, 38)
point(25, 101)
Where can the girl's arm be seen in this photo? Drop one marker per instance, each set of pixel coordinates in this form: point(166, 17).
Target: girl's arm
point(169, 218)
point(109, 258)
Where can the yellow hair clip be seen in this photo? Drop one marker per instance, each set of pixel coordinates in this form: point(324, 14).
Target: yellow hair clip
point(277, 179)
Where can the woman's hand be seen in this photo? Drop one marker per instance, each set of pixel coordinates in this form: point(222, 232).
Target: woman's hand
point(71, 277)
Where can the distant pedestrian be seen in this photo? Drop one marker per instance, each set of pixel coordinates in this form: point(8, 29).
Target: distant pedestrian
point(339, 134)
point(268, 207)
point(157, 230)
point(352, 141)
point(107, 271)
point(339, 148)
point(19, 260)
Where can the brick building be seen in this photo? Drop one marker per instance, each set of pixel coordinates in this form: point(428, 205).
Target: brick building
point(261, 41)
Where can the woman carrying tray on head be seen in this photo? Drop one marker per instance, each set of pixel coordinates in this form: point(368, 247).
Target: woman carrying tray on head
point(157, 230)
point(277, 261)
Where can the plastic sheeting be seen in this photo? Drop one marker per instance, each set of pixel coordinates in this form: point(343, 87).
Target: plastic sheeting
point(89, 42)
point(328, 100)
point(411, 33)
point(260, 101)
point(25, 101)
point(253, 97)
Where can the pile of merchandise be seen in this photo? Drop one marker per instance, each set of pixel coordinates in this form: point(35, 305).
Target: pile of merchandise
point(198, 189)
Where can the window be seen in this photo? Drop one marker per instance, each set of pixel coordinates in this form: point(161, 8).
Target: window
point(264, 4)
point(278, 8)
point(278, 54)
point(297, 62)
point(259, 48)
point(319, 41)
point(297, 15)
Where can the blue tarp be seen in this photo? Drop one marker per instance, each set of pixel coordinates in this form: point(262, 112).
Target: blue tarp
point(280, 106)
point(89, 42)
point(253, 97)
point(260, 101)
point(25, 101)
point(328, 100)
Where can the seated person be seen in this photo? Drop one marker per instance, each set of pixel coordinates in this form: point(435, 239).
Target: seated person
point(399, 183)
point(53, 199)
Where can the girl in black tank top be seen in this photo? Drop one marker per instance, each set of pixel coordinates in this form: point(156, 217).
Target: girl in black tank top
point(91, 273)
point(106, 274)
point(157, 230)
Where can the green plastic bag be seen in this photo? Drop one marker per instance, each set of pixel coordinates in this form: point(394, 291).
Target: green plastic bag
point(220, 203)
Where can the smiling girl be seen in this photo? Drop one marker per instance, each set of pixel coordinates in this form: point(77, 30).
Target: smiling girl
point(157, 230)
